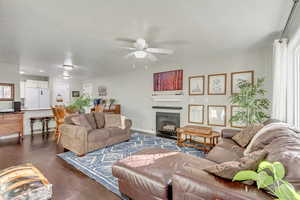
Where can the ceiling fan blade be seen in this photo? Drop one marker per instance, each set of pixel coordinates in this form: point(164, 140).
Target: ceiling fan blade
point(160, 51)
point(128, 48)
point(151, 57)
point(171, 42)
point(129, 55)
point(126, 40)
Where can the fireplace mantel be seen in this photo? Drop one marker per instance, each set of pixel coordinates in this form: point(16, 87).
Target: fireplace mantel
point(168, 107)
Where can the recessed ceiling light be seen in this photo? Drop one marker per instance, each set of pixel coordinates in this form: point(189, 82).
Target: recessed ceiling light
point(42, 71)
point(22, 72)
point(68, 67)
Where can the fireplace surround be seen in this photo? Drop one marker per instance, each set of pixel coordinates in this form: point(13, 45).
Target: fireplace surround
point(166, 124)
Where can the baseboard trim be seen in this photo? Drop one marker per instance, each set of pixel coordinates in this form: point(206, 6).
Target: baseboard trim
point(144, 130)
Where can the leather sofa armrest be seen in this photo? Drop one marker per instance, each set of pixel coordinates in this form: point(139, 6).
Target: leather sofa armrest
point(229, 133)
point(195, 184)
point(74, 138)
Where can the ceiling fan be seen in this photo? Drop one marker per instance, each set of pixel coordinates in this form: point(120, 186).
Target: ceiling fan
point(141, 49)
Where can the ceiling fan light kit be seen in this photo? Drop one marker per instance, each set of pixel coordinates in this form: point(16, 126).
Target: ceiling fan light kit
point(68, 67)
point(140, 54)
point(141, 50)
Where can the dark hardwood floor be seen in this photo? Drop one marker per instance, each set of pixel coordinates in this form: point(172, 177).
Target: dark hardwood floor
point(68, 183)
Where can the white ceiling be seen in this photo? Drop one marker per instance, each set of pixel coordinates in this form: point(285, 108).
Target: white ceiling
point(39, 34)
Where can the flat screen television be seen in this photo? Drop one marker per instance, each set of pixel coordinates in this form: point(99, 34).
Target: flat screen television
point(168, 81)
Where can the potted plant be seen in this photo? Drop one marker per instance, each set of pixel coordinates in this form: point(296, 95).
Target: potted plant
point(111, 102)
point(269, 176)
point(252, 101)
point(79, 105)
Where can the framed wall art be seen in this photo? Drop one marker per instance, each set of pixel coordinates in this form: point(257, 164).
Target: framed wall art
point(233, 111)
point(237, 77)
point(196, 85)
point(196, 114)
point(217, 84)
point(216, 115)
point(75, 93)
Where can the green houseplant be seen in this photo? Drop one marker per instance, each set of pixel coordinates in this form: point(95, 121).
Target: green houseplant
point(252, 101)
point(270, 176)
point(79, 104)
point(111, 102)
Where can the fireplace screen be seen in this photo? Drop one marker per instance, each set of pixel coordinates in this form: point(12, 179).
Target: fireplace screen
point(167, 123)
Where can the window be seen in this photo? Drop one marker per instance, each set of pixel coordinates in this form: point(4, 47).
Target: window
point(88, 89)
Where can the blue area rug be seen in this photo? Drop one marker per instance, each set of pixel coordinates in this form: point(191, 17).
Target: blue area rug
point(97, 165)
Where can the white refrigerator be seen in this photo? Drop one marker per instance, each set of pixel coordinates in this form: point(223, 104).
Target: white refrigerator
point(36, 98)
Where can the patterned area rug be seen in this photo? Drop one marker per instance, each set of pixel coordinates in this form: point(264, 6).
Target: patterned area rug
point(97, 164)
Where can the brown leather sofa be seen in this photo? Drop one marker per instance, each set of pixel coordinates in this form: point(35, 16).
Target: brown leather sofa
point(160, 174)
point(81, 140)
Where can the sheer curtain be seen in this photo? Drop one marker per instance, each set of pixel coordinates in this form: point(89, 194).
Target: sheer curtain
point(280, 71)
point(293, 80)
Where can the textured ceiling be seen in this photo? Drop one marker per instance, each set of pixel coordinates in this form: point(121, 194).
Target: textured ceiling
point(40, 34)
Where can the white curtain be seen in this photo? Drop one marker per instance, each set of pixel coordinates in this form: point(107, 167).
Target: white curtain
point(280, 71)
point(293, 91)
point(286, 80)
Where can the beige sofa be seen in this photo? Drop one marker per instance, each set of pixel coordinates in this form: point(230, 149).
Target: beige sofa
point(91, 134)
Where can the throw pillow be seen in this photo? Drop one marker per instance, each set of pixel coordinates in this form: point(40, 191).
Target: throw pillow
point(244, 137)
point(112, 120)
point(81, 120)
point(123, 125)
point(220, 155)
point(227, 170)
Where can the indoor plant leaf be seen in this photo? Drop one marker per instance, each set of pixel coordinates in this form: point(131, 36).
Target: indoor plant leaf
point(245, 175)
point(264, 180)
point(279, 171)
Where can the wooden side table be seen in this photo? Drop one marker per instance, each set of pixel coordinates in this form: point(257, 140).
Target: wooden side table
point(44, 121)
point(186, 134)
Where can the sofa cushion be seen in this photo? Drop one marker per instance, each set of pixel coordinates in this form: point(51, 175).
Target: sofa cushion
point(91, 119)
point(100, 120)
point(232, 146)
point(112, 120)
point(80, 120)
point(114, 131)
point(228, 170)
point(229, 133)
point(220, 155)
point(68, 119)
point(244, 137)
point(98, 135)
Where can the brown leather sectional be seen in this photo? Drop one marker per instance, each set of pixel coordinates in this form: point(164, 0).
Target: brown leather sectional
point(159, 174)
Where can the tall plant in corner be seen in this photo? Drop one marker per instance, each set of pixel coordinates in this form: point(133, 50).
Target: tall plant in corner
point(252, 101)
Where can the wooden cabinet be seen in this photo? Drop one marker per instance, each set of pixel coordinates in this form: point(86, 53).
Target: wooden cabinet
point(11, 123)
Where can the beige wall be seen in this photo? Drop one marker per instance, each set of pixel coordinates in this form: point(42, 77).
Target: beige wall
point(133, 90)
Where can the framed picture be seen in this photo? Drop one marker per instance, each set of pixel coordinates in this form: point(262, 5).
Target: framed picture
point(75, 93)
point(196, 85)
point(233, 112)
point(216, 115)
point(102, 91)
point(217, 84)
point(237, 77)
point(196, 114)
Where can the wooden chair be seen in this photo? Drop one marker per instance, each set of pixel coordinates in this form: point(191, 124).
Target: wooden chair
point(99, 108)
point(59, 113)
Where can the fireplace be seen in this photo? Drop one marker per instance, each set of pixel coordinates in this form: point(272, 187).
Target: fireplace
point(166, 124)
